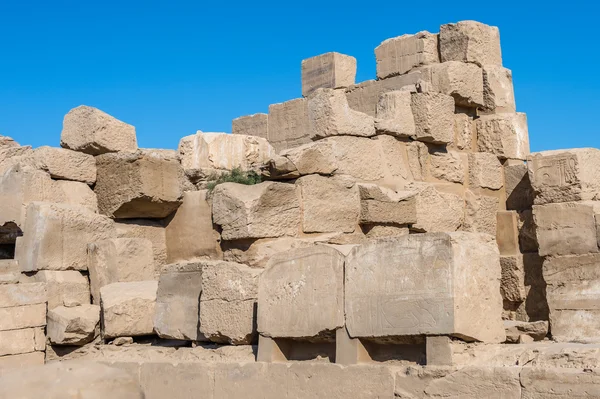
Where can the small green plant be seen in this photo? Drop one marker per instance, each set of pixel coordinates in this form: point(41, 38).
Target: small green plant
point(236, 175)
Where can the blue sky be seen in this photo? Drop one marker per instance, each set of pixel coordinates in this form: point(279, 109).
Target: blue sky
point(171, 68)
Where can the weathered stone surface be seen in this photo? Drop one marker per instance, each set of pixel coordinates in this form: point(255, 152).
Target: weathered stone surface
point(394, 114)
point(89, 130)
point(18, 317)
point(73, 326)
point(328, 71)
point(22, 294)
point(512, 285)
point(477, 382)
point(251, 125)
point(143, 184)
point(7, 142)
point(527, 232)
point(480, 213)
point(438, 350)
point(9, 271)
point(12, 363)
point(228, 302)
point(537, 330)
point(465, 134)
point(177, 380)
point(448, 166)
point(434, 120)
point(464, 82)
point(565, 228)
point(519, 193)
point(535, 307)
point(64, 288)
point(485, 171)
point(381, 231)
point(391, 288)
point(437, 211)
point(312, 158)
point(507, 232)
point(288, 124)
point(359, 157)
point(56, 236)
point(505, 135)
point(400, 54)
point(76, 193)
point(128, 308)
point(11, 156)
point(14, 342)
point(470, 41)
point(559, 383)
point(119, 260)
point(66, 164)
point(301, 293)
point(382, 205)
point(263, 210)
point(498, 92)
point(152, 230)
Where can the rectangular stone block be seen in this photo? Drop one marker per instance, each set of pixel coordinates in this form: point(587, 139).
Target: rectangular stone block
point(73, 326)
point(507, 232)
point(152, 230)
point(251, 125)
point(399, 55)
point(431, 202)
point(447, 166)
point(434, 120)
point(64, 288)
point(288, 124)
point(394, 114)
point(480, 213)
point(439, 351)
point(519, 193)
point(328, 71)
point(184, 380)
point(15, 362)
point(9, 271)
point(23, 317)
point(382, 205)
point(470, 41)
point(22, 294)
point(512, 285)
point(66, 164)
point(485, 171)
point(473, 382)
point(15, 342)
point(464, 82)
point(505, 135)
point(498, 92)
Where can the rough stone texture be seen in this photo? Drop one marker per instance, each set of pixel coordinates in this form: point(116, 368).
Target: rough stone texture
point(76, 193)
point(381, 205)
point(470, 41)
point(537, 330)
point(448, 166)
point(485, 171)
point(66, 164)
point(519, 193)
point(128, 308)
point(434, 120)
point(512, 285)
point(263, 210)
point(477, 382)
point(392, 289)
point(9, 271)
point(288, 124)
point(18, 317)
point(73, 326)
point(144, 184)
point(301, 293)
point(251, 125)
point(498, 92)
point(527, 232)
point(228, 302)
point(64, 288)
point(559, 383)
point(437, 211)
point(505, 135)
point(464, 82)
point(89, 130)
point(359, 157)
point(319, 194)
point(480, 213)
point(7, 142)
point(152, 230)
point(15, 342)
point(399, 55)
point(312, 158)
point(189, 231)
point(22, 294)
point(119, 260)
point(56, 236)
point(381, 231)
point(394, 114)
point(465, 134)
point(328, 71)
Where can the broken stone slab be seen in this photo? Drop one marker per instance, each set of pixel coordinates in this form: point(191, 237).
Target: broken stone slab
point(434, 284)
point(537, 330)
point(11, 156)
point(301, 293)
point(228, 302)
point(73, 326)
point(288, 124)
point(437, 211)
point(399, 55)
point(256, 125)
point(143, 184)
point(470, 41)
point(56, 236)
point(26, 340)
point(89, 130)
point(465, 134)
point(519, 192)
point(485, 171)
point(263, 210)
point(434, 117)
point(152, 230)
point(66, 164)
point(9, 271)
point(22, 294)
point(512, 284)
point(450, 166)
point(119, 260)
point(505, 135)
point(464, 82)
point(382, 205)
point(480, 213)
point(380, 231)
point(128, 308)
point(327, 71)
point(18, 317)
point(498, 91)
point(64, 288)
point(394, 114)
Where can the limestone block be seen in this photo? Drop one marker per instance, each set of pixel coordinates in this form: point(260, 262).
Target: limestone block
point(263, 210)
point(178, 380)
point(313, 158)
point(279, 168)
point(505, 135)
point(465, 134)
point(434, 120)
point(128, 308)
point(119, 260)
point(498, 91)
point(485, 171)
point(319, 194)
point(477, 382)
point(379, 231)
point(527, 232)
point(251, 125)
point(399, 55)
point(89, 130)
point(76, 193)
point(507, 232)
point(64, 288)
point(288, 124)
point(559, 383)
point(359, 157)
point(437, 211)
point(537, 330)
point(470, 41)
point(228, 302)
point(139, 185)
point(189, 232)
point(328, 71)
point(391, 288)
point(22, 294)
point(9, 271)
point(512, 285)
point(464, 82)
point(13, 362)
point(382, 205)
point(14, 342)
point(23, 317)
point(449, 166)
point(330, 115)
point(152, 230)
point(519, 193)
point(565, 175)
point(394, 114)
point(418, 160)
point(480, 213)
point(56, 236)
point(73, 326)
point(66, 164)
point(301, 293)
point(12, 156)
point(177, 312)
point(565, 228)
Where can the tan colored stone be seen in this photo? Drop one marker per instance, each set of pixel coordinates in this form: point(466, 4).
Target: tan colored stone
point(7, 142)
point(9, 271)
point(464, 82)
point(399, 55)
point(14, 342)
point(89, 130)
point(288, 124)
point(527, 232)
point(76, 193)
point(73, 326)
point(465, 135)
point(434, 120)
point(498, 92)
point(480, 213)
point(512, 285)
point(505, 135)
point(437, 211)
point(418, 160)
point(359, 157)
point(380, 231)
point(536, 330)
point(559, 383)
point(22, 294)
point(66, 164)
point(328, 71)
point(477, 382)
point(470, 41)
point(485, 171)
point(507, 232)
point(519, 193)
point(152, 230)
point(251, 125)
point(438, 350)
point(313, 158)
point(449, 166)
point(22, 317)
point(64, 288)
point(394, 114)
point(14, 362)
point(381, 205)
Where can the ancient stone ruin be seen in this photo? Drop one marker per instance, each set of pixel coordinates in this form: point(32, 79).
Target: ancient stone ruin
point(398, 241)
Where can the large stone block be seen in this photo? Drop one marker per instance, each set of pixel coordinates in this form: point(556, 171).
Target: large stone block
point(359, 157)
point(434, 117)
point(559, 383)
point(327, 71)
point(464, 82)
point(498, 91)
point(18, 317)
point(66, 164)
point(507, 232)
point(485, 171)
point(87, 129)
point(470, 41)
point(288, 124)
point(73, 326)
point(312, 158)
point(119, 260)
point(450, 166)
point(9, 271)
point(251, 125)
point(476, 382)
point(437, 211)
point(425, 284)
point(64, 288)
point(152, 230)
point(519, 193)
point(56, 236)
point(394, 114)
point(512, 285)
point(128, 308)
point(15, 342)
point(301, 293)
point(22, 294)
point(399, 55)
point(480, 213)
point(505, 135)
point(144, 184)
point(263, 210)
point(75, 193)
point(382, 205)
point(465, 134)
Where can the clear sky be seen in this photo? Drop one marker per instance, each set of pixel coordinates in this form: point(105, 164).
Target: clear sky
point(174, 67)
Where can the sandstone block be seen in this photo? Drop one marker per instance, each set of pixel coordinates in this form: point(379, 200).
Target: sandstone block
point(23, 317)
point(64, 288)
point(73, 326)
point(119, 260)
point(464, 82)
point(505, 135)
point(152, 230)
point(359, 157)
point(480, 213)
point(15, 342)
point(288, 124)
point(465, 134)
point(11, 156)
point(448, 166)
point(519, 193)
point(512, 285)
point(263, 210)
point(128, 308)
point(394, 114)
point(76, 193)
point(477, 382)
point(89, 130)
point(399, 55)
point(312, 158)
point(251, 125)
point(66, 164)
point(22, 294)
point(301, 293)
point(559, 383)
point(498, 92)
point(507, 232)
point(438, 350)
point(327, 71)
point(381, 231)
point(9, 271)
point(485, 171)
point(391, 288)
point(470, 41)
point(12, 363)
point(381, 205)
point(537, 330)
point(437, 211)
point(434, 117)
